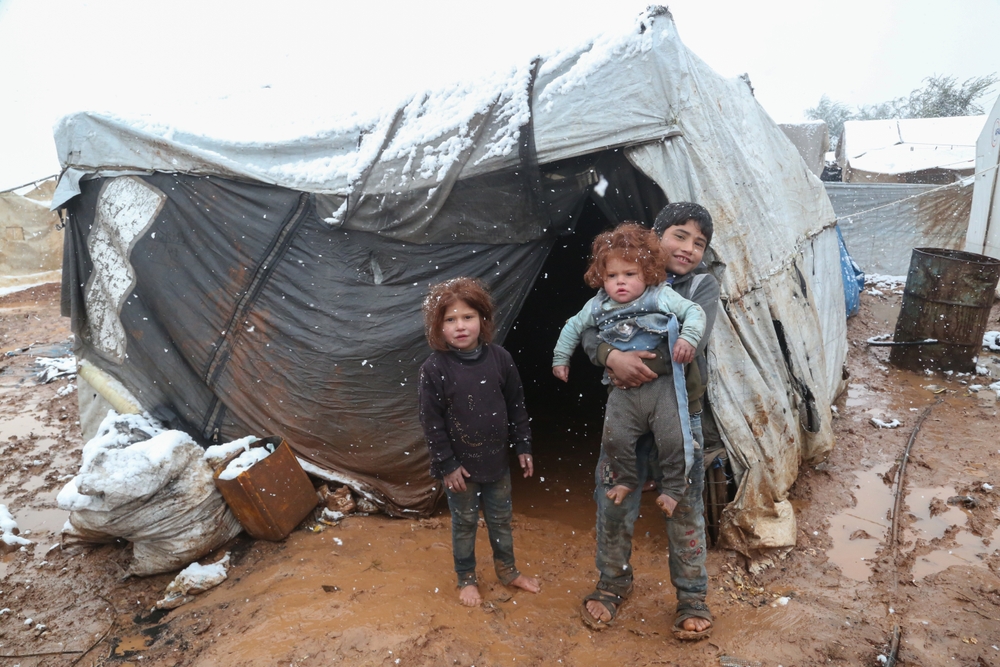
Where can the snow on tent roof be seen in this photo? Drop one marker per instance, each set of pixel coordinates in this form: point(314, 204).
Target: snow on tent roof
point(414, 145)
point(900, 146)
point(242, 285)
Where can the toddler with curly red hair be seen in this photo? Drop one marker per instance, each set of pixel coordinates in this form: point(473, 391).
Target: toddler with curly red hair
point(635, 310)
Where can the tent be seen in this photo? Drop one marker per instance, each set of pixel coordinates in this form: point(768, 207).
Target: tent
point(30, 240)
point(983, 235)
point(242, 286)
point(912, 150)
point(812, 140)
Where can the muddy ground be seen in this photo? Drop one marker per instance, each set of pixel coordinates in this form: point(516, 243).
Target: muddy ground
point(379, 591)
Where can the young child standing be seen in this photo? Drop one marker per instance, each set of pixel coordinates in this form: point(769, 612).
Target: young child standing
point(635, 310)
point(472, 411)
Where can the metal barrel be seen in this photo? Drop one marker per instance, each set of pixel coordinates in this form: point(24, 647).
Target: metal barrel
point(947, 298)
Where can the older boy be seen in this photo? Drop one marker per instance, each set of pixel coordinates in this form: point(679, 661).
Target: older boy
point(685, 231)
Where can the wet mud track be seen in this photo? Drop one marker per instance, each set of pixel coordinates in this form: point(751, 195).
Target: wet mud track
point(378, 591)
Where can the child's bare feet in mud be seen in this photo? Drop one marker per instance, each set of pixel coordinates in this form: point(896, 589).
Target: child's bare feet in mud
point(666, 503)
point(529, 584)
point(469, 596)
point(618, 492)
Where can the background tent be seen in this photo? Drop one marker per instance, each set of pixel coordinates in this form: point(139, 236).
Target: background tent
point(911, 150)
point(812, 140)
point(242, 287)
point(30, 238)
point(983, 235)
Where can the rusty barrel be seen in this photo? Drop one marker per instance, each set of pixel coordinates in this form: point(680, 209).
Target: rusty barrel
point(948, 296)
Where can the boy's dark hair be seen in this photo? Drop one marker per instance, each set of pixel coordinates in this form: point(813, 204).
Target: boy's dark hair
point(633, 243)
point(681, 212)
point(443, 296)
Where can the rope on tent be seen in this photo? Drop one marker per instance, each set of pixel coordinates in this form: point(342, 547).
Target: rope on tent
point(926, 192)
point(35, 183)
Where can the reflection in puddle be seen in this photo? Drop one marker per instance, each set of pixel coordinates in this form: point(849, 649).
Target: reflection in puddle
point(968, 547)
point(873, 502)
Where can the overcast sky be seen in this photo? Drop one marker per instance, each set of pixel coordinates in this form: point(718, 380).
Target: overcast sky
point(165, 58)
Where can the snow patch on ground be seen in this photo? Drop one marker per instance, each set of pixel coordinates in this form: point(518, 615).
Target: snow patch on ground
point(8, 530)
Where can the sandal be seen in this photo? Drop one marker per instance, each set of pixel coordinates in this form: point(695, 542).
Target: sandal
point(692, 609)
point(610, 601)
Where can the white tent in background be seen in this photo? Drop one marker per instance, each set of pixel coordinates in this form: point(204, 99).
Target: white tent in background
point(913, 150)
point(30, 240)
point(983, 236)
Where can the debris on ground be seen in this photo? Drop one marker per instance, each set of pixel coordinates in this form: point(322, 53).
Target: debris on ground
point(194, 579)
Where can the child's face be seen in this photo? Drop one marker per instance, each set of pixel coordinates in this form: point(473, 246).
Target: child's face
point(623, 280)
point(461, 326)
point(683, 246)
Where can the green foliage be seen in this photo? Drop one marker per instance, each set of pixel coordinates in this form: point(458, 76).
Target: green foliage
point(940, 96)
point(834, 113)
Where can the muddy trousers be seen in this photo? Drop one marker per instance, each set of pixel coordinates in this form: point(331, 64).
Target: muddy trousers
point(494, 499)
point(685, 529)
point(650, 408)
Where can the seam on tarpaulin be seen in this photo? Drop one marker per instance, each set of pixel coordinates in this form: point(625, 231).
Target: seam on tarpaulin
point(233, 331)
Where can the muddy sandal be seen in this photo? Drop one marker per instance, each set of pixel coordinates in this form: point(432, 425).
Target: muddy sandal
point(610, 601)
point(692, 609)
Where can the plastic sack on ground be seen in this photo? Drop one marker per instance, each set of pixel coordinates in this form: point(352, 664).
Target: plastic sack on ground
point(151, 487)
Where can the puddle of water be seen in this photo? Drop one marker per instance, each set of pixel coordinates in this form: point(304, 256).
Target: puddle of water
point(885, 312)
point(23, 424)
point(44, 526)
point(35, 482)
point(870, 514)
point(968, 548)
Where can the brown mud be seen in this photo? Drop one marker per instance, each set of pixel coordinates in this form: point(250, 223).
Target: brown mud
point(380, 591)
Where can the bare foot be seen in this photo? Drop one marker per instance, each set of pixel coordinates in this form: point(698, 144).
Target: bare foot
point(598, 611)
point(696, 624)
point(666, 503)
point(469, 596)
point(617, 493)
point(529, 584)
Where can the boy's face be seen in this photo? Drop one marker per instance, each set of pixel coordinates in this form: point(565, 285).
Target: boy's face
point(623, 280)
point(461, 326)
point(683, 247)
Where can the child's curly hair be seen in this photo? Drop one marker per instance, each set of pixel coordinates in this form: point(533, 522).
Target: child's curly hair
point(631, 242)
point(443, 296)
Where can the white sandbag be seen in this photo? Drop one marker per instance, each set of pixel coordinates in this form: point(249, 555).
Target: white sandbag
point(151, 487)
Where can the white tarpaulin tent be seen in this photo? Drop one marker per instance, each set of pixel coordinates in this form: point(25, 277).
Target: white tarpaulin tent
point(913, 150)
point(30, 241)
point(983, 236)
point(386, 189)
point(812, 139)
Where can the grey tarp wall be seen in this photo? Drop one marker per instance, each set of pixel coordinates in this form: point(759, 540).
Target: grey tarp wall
point(301, 287)
point(883, 222)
